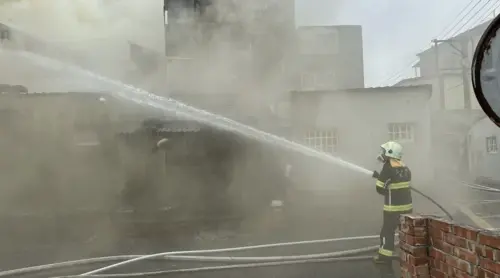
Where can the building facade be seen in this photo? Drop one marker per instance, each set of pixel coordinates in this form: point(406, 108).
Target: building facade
point(329, 57)
point(447, 67)
point(353, 123)
point(483, 155)
point(454, 107)
point(229, 44)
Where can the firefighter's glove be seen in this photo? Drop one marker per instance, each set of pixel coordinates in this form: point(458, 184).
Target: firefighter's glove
point(375, 174)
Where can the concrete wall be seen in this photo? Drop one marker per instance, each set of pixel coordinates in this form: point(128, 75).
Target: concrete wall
point(450, 68)
point(434, 247)
point(331, 53)
point(43, 140)
point(483, 164)
point(453, 91)
point(361, 118)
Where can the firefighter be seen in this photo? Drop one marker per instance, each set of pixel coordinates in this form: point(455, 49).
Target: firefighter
point(393, 182)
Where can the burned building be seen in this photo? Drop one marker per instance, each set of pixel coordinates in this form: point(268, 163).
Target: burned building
point(88, 152)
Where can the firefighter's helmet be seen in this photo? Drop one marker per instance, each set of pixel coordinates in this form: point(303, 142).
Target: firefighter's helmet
point(391, 149)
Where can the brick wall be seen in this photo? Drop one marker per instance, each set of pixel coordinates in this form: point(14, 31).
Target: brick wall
point(435, 247)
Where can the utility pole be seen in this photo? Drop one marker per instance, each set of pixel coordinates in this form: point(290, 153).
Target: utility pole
point(438, 75)
point(465, 75)
point(463, 51)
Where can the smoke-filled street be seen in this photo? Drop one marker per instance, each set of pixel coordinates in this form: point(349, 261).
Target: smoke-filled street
point(132, 129)
point(315, 215)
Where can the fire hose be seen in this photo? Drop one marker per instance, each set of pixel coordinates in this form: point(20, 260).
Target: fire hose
point(174, 256)
point(345, 255)
point(224, 267)
point(285, 258)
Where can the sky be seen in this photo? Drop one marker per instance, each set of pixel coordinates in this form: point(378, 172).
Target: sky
point(394, 31)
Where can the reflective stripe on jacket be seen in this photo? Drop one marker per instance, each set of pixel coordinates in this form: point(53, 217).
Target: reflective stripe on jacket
point(394, 184)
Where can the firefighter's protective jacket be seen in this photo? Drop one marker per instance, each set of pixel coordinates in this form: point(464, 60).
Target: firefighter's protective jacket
point(393, 183)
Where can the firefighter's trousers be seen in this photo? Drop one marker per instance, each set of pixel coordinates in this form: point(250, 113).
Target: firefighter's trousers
point(389, 226)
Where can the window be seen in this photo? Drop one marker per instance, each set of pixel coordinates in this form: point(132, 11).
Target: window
point(491, 144)
point(322, 140)
point(401, 132)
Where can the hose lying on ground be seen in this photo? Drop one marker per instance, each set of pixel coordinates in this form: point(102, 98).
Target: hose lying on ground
point(481, 187)
point(134, 258)
point(311, 256)
point(172, 255)
point(271, 258)
point(223, 267)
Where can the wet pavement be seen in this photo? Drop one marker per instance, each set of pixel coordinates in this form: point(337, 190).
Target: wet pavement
point(484, 206)
point(312, 215)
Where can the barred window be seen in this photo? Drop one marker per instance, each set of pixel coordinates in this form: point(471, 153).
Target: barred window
point(322, 140)
point(491, 144)
point(401, 132)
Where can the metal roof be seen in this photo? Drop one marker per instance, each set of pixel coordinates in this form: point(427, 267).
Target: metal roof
point(384, 89)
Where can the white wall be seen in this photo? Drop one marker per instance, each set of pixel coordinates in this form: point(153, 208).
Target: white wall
point(361, 120)
point(482, 163)
point(453, 90)
point(454, 93)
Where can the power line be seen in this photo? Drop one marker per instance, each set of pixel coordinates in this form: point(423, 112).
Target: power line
point(472, 17)
point(447, 29)
point(401, 71)
point(481, 19)
point(463, 18)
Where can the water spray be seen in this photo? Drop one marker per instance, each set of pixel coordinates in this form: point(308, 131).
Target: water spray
point(144, 98)
point(169, 105)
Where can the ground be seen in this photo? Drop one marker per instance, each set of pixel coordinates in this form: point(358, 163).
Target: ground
point(342, 212)
point(483, 207)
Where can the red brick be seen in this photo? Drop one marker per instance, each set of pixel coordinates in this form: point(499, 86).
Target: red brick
point(455, 240)
point(460, 264)
point(441, 224)
point(483, 273)
point(439, 265)
point(471, 245)
point(412, 260)
point(438, 274)
point(413, 240)
point(416, 270)
point(437, 254)
point(443, 246)
point(449, 270)
point(453, 272)
point(490, 239)
point(466, 231)
point(466, 255)
point(417, 251)
point(413, 220)
point(412, 230)
point(489, 265)
point(435, 235)
point(488, 252)
point(434, 263)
